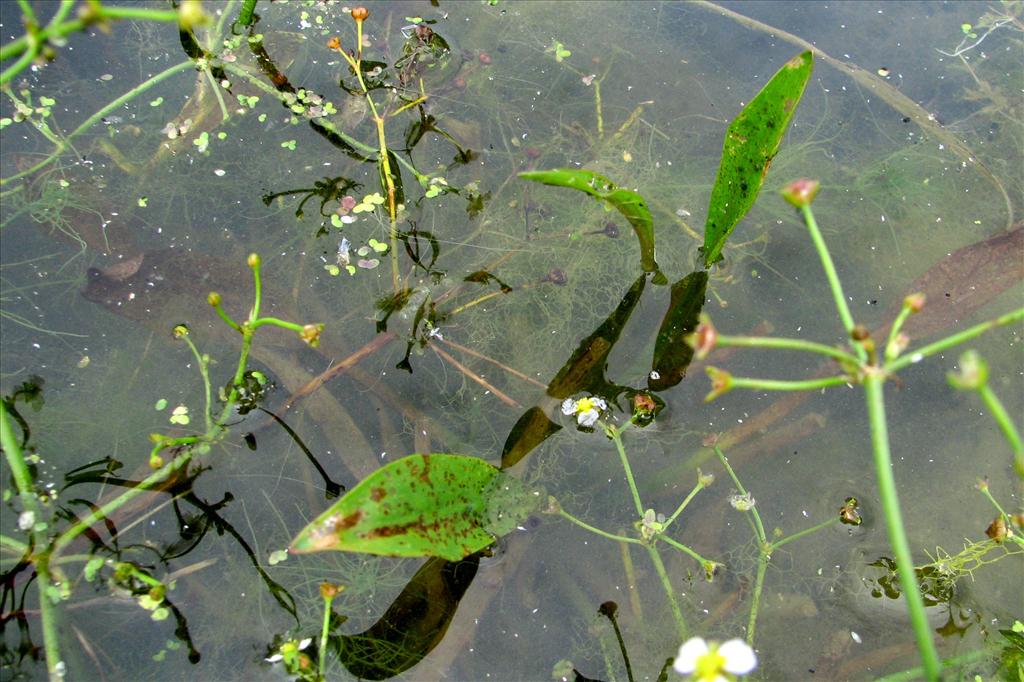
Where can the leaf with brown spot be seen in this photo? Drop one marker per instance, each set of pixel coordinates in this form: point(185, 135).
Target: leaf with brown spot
point(422, 505)
point(750, 145)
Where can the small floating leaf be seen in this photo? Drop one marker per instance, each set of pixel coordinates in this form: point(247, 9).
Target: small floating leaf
point(750, 145)
point(421, 505)
point(627, 202)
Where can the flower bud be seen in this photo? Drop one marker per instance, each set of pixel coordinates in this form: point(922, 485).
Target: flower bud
point(311, 334)
point(915, 302)
point(334, 43)
point(329, 590)
point(704, 337)
point(801, 192)
point(213, 298)
point(721, 383)
point(997, 530)
point(973, 373)
point(360, 13)
point(253, 260)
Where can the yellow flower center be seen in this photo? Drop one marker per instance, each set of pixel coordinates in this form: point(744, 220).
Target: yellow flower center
point(709, 666)
point(584, 405)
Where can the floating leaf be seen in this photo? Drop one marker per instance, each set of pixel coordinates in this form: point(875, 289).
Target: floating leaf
point(627, 202)
point(180, 415)
point(750, 145)
point(421, 505)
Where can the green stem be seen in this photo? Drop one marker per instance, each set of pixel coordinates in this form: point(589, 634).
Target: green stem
point(245, 17)
point(785, 344)
point(285, 324)
point(603, 533)
point(807, 531)
point(201, 363)
point(755, 605)
point(874, 392)
point(31, 44)
point(257, 298)
point(830, 273)
point(783, 385)
point(23, 480)
point(686, 550)
point(324, 629)
point(941, 345)
point(677, 613)
point(897, 325)
point(758, 526)
point(215, 88)
point(615, 435)
point(682, 505)
point(116, 104)
point(1005, 422)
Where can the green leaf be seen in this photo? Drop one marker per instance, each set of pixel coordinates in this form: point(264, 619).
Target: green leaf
point(750, 145)
point(672, 354)
point(627, 202)
point(422, 505)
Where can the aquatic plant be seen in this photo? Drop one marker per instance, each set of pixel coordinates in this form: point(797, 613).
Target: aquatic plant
point(505, 327)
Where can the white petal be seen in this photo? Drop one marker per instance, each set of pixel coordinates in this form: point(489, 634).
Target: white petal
point(600, 404)
point(274, 659)
point(689, 652)
point(568, 406)
point(740, 659)
point(588, 418)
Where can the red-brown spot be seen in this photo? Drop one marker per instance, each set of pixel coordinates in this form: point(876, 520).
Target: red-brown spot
point(345, 522)
point(378, 494)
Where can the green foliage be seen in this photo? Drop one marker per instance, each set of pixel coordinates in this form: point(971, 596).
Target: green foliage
point(750, 145)
point(627, 202)
point(436, 505)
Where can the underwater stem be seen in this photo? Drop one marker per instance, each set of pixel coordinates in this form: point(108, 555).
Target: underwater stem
point(874, 392)
point(673, 603)
point(616, 436)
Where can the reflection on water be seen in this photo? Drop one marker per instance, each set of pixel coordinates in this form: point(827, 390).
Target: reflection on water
point(500, 298)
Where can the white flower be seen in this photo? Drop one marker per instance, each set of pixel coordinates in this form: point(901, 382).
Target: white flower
point(743, 502)
point(587, 410)
point(711, 662)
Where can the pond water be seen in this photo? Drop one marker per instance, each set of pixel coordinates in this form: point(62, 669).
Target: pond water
point(167, 176)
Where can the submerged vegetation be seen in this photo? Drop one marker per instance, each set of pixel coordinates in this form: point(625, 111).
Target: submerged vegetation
point(490, 422)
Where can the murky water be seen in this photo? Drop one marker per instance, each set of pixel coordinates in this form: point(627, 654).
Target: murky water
point(918, 153)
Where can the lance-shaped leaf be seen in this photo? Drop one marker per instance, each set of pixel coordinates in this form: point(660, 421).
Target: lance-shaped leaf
point(627, 202)
point(436, 505)
point(584, 372)
point(672, 354)
point(532, 429)
point(413, 625)
point(750, 145)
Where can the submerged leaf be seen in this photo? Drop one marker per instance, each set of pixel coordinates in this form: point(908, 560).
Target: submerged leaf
point(627, 202)
point(422, 505)
point(672, 354)
point(750, 145)
point(413, 625)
